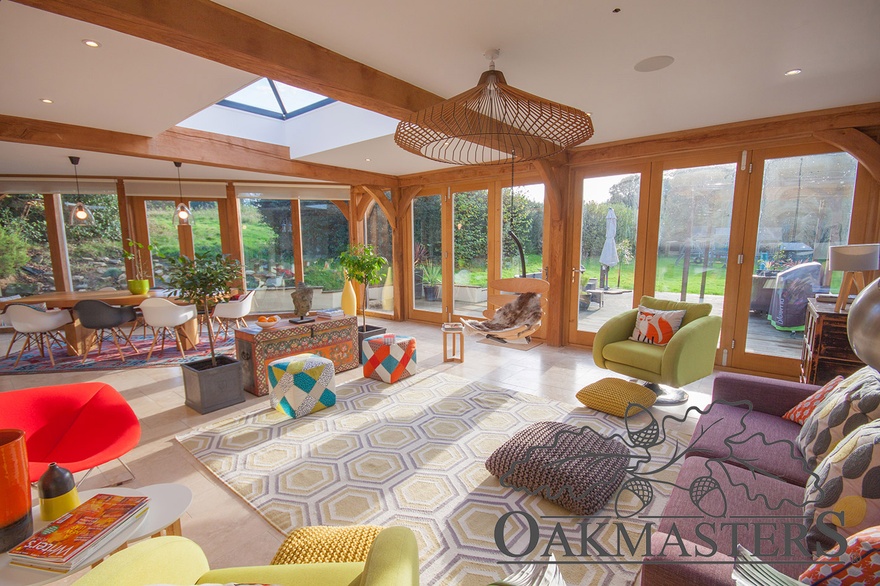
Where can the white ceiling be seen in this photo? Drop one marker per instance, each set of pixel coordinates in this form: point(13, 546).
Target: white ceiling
point(729, 63)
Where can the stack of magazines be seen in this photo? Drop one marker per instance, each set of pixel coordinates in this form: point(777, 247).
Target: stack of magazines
point(76, 536)
point(330, 313)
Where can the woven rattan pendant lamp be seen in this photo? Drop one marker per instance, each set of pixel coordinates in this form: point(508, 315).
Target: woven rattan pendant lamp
point(491, 124)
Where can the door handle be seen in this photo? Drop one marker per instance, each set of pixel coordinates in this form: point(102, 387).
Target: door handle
point(575, 272)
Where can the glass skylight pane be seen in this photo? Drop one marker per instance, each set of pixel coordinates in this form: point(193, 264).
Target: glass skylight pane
point(258, 95)
point(295, 98)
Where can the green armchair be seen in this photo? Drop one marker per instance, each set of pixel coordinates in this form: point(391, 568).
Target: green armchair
point(689, 355)
point(393, 561)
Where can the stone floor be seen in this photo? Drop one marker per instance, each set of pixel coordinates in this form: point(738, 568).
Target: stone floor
point(224, 525)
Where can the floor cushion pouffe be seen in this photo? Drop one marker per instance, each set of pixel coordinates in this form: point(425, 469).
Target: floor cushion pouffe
point(302, 384)
point(389, 362)
point(322, 544)
point(615, 395)
point(79, 426)
point(574, 467)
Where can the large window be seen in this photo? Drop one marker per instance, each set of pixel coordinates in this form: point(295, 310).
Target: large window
point(695, 216)
point(806, 206)
point(609, 227)
point(324, 236)
point(266, 234)
point(95, 252)
point(523, 214)
point(206, 227)
point(427, 253)
point(378, 234)
point(470, 229)
point(163, 237)
point(25, 264)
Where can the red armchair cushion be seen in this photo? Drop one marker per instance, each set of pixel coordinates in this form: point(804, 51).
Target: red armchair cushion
point(79, 426)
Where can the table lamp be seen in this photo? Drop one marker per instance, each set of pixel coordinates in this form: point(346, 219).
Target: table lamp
point(853, 259)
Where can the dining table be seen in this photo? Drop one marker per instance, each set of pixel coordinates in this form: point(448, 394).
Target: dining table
point(76, 335)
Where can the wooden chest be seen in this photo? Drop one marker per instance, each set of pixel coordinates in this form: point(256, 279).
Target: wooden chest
point(335, 339)
point(827, 352)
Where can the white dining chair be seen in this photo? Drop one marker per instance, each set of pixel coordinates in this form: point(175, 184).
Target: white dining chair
point(233, 312)
point(164, 317)
point(39, 328)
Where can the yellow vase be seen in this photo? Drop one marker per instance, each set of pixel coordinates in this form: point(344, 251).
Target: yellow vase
point(388, 293)
point(349, 299)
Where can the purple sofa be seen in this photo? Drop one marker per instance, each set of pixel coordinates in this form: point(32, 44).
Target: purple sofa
point(717, 496)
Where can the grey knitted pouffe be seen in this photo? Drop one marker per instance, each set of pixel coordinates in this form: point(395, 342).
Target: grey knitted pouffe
point(576, 468)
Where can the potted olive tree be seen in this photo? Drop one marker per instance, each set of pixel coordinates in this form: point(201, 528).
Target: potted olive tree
point(140, 284)
point(215, 382)
point(361, 263)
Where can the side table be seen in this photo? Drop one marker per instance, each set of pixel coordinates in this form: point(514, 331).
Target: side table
point(455, 333)
point(167, 503)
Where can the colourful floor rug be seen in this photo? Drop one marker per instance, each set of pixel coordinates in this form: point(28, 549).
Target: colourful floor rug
point(413, 454)
point(32, 362)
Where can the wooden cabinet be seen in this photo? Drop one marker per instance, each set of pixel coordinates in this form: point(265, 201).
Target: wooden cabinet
point(335, 339)
point(827, 352)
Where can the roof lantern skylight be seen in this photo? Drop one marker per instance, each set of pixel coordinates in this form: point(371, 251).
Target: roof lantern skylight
point(274, 99)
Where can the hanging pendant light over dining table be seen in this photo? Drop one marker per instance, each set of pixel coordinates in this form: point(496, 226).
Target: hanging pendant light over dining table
point(80, 215)
point(182, 215)
point(493, 123)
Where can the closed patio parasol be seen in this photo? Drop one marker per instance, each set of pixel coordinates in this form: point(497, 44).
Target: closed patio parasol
point(609, 257)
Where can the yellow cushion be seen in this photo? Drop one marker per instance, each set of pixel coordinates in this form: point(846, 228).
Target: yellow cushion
point(312, 545)
point(613, 395)
point(645, 356)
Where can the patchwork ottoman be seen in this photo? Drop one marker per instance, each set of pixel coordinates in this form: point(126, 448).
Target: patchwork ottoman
point(301, 384)
point(389, 362)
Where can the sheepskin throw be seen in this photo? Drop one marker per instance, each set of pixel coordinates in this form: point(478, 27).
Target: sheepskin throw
point(524, 310)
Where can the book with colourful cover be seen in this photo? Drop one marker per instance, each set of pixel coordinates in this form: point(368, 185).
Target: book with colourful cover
point(76, 535)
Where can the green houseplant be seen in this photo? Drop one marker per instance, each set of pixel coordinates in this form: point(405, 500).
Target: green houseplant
point(140, 284)
point(432, 276)
point(361, 263)
point(204, 281)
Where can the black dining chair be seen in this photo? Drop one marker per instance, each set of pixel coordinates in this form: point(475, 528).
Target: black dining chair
point(105, 319)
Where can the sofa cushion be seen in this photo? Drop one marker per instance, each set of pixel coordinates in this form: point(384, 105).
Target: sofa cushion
point(859, 564)
point(725, 497)
point(733, 434)
point(802, 411)
point(656, 327)
point(848, 482)
point(673, 569)
point(576, 468)
point(855, 402)
point(693, 311)
point(646, 356)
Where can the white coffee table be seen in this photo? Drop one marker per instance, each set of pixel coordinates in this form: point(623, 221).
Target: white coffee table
point(167, 503)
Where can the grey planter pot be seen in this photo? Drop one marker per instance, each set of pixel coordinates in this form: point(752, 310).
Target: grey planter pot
point(210, 388)
point(363, 335)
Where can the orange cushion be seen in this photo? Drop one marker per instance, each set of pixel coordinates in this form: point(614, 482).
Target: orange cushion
point(805, 408)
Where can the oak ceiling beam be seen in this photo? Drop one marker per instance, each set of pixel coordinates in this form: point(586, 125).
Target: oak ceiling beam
point(861, 146)
point(185, 145)
point(212, 31)
point(388, 207)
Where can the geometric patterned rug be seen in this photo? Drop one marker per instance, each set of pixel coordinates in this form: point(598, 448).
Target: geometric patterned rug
point(412, 453)
point(31, 362)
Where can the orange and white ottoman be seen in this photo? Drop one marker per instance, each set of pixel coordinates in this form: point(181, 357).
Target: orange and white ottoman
point(389, 358)
point(301, 384)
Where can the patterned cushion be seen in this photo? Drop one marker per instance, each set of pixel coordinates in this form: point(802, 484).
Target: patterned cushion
point(656, 327)
point(613, 395)
point(389, 362)
point(858, 566)
point(575, 468)
point(800, 412)
point(302, 384)
point(315, 545)
point(848, 482)
point(856, 401)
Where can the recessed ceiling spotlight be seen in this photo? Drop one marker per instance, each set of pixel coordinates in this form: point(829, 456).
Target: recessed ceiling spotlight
point(91, 43)
point(616, 10)
point(654, 63)
point(47, 101)
point(368, 160)
point(791, 72)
